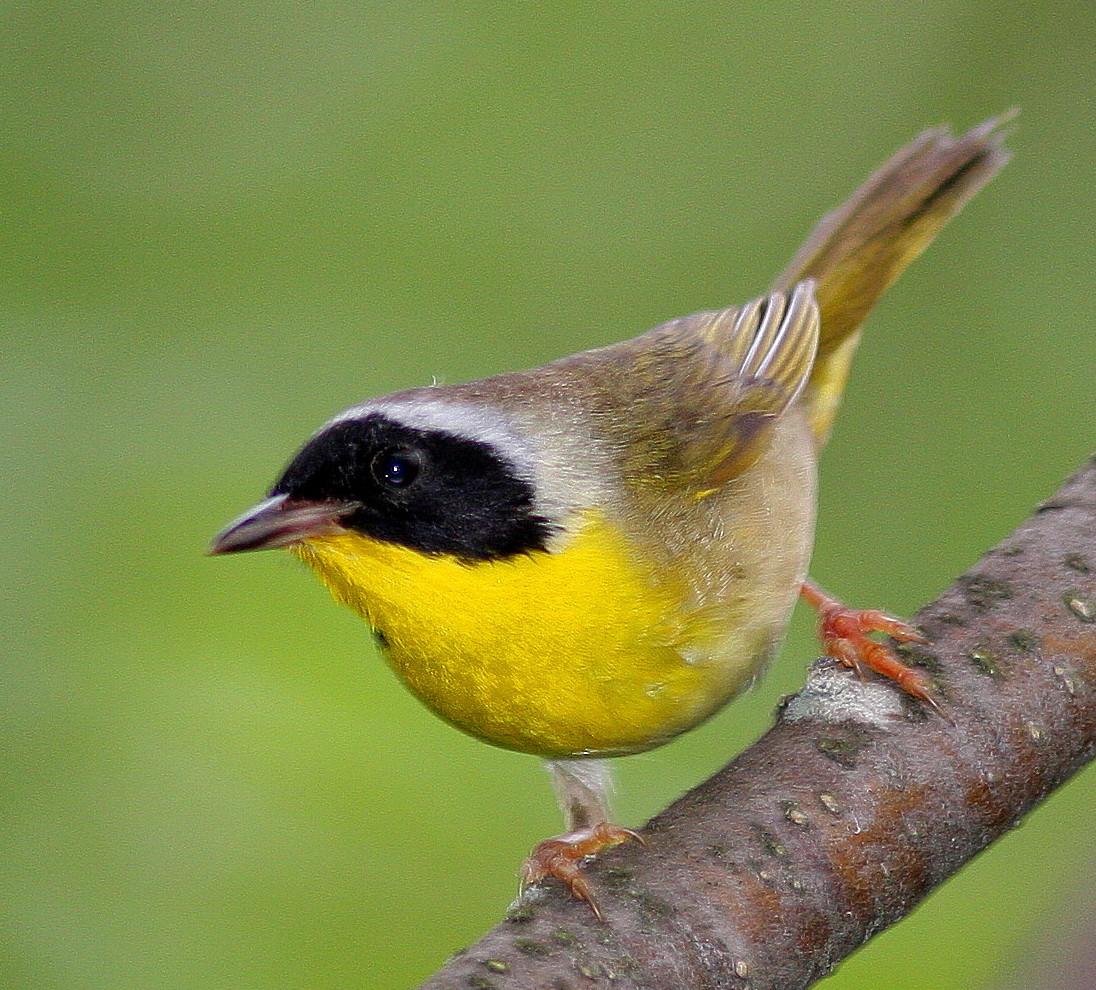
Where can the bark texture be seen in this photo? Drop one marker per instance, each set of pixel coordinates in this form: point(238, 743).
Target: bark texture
point(853, 807)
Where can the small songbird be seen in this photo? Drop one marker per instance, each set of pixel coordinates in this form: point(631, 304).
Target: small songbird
point(586, 559)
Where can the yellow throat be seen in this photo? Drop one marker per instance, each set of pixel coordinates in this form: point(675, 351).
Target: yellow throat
point(579, 651)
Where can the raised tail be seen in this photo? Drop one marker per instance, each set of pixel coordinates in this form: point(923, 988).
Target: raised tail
point(859, 249)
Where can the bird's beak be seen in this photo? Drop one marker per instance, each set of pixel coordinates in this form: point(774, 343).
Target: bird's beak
point(280, 522)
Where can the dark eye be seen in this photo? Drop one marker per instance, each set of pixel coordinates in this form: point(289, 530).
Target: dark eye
point(396, 468)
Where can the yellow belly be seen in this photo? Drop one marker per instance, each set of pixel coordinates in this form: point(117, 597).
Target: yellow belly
point(576, 652)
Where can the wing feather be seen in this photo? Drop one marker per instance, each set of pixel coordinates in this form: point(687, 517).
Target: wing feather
point(692, 401)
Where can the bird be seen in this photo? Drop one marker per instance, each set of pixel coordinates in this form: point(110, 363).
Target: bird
point(587, 559)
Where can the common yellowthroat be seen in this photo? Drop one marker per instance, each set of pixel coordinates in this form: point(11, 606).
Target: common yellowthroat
point(586, 559)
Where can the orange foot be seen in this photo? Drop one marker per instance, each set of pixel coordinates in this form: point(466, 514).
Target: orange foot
point(562, 856)
point(844, 634)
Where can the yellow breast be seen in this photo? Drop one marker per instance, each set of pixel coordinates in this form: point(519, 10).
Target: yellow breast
point(582, 651)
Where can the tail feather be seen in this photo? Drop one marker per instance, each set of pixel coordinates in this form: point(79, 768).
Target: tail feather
point(857, 251)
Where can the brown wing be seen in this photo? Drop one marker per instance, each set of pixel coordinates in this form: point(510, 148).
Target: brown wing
point(692, 401)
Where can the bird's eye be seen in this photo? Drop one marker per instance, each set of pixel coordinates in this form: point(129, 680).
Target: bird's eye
point(396, 468)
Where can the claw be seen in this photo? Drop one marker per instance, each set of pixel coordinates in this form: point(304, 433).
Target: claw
point(845, 636)
point(626, 834)
point(562, 857)
point(872, 620)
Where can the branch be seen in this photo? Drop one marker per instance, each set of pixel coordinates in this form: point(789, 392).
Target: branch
point(854, 806)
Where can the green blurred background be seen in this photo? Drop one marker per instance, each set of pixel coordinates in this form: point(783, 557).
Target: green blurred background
point(221, 223)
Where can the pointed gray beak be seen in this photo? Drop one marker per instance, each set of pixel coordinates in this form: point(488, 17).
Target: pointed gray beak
point(280, 522)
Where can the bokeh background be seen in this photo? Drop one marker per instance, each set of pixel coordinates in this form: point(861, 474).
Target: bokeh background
point(223, 222)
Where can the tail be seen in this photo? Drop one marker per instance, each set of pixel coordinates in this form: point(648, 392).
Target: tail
point(858, 250)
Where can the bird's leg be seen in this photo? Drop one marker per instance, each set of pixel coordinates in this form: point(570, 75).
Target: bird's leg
point(845, 637)
point(582, 788)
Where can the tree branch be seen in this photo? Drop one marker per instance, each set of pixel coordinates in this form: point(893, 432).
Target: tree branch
point(854, 806)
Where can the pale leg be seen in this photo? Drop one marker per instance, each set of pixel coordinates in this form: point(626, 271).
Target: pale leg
point(582, 788)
